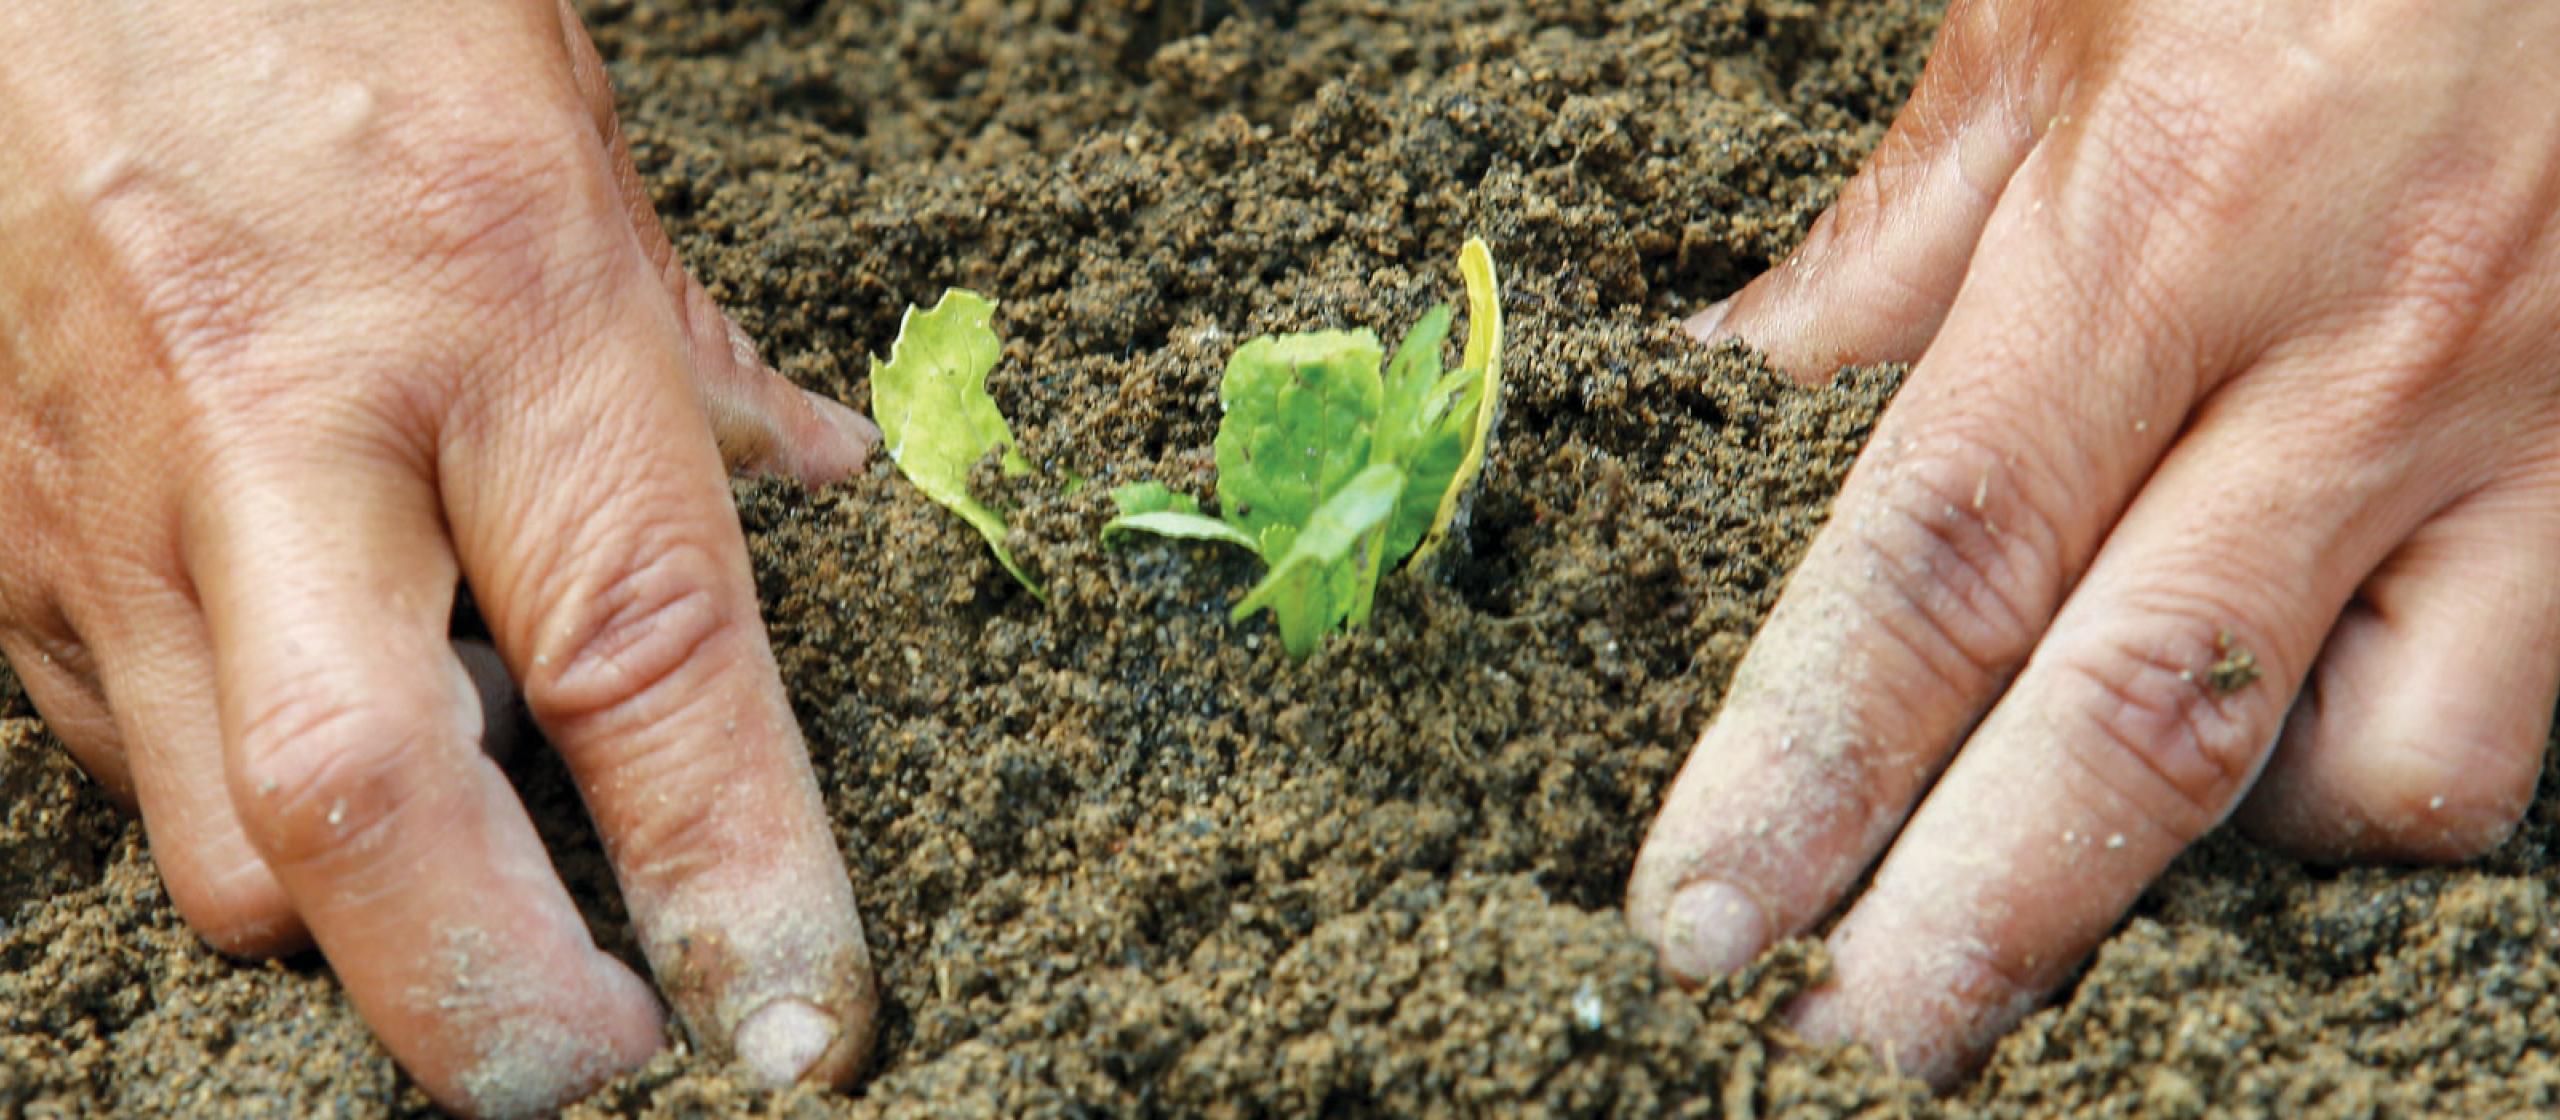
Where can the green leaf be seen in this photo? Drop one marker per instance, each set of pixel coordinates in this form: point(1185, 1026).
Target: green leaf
point(1153, 507)
point(1300, 412)
point(1308, 589)
point(1414, 432)
point(1335, 470)
point(930, 399)
point(1412, 381)
point(1432, 466)
point(1187, 526)
point(1484, 359)
point(1152, 497)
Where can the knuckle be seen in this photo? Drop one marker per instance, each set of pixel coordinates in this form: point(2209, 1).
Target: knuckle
point(1966, 563)
point(506, 210)
point(675, 840)
point(318, 773)
point(2168, 717)
point(626, 644)
point(2169, 176)
point(2445, 273)
point(2184, 153)
point(2450, 265)
point(205, 289)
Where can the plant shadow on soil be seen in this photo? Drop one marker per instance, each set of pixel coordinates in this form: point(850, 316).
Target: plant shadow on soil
point(1117, 855)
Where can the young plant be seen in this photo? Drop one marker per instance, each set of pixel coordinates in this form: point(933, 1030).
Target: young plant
point(931, 401)
point(1334, 471)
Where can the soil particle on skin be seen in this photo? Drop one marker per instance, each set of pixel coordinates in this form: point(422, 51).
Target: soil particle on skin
point(2234, 668)
point(1117, 855)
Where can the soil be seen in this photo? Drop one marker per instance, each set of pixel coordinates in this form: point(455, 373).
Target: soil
point(1117, 855)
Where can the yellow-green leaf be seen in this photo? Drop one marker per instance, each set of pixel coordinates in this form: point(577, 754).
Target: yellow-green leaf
point(930, 399)
point(1484, 359)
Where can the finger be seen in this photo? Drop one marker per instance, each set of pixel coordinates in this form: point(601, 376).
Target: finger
point(1948, 550)
point(44, 651)
point(600, 542)
point(156, 674)
point(353, 755)
point(763, 423)
point(2146, 711)
point(2420, 734)
point(62, 681)
point(216, 878)
point(1874, 278)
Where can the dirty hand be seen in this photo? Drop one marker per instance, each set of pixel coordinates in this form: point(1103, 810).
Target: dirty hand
point(2228, 477)
point(308, 312)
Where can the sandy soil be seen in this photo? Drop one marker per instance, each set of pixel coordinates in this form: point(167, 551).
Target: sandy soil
point(1120, 857)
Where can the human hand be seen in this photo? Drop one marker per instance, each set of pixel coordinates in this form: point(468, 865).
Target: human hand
point(307, 312)
point(2236, 412)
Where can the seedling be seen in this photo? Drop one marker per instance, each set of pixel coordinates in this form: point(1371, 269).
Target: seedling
point(1332, 471)
point(935, 414)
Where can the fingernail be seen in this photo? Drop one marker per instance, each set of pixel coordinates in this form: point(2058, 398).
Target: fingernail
point(742, 349)
point(1703, 325)
point(782, 1040)
point(1714, 929)
point(857, 428)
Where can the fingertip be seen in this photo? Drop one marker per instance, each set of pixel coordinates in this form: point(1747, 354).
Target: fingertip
point(1932, 1007)
point(1707, 326)
point(1777, 318)
point(1711, 929)
point(2421, 736)
point(238, 909)
point(773, 975)
point(2437, 800)
point(531, 1062)
point(857, 1008)
point(762, 422)
point(856, 439)
point(1876, 276)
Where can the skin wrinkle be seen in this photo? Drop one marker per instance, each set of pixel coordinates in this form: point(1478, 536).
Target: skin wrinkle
point(1815, 743)
point(1945, 571)
point(2148, 706)
point(613, 642)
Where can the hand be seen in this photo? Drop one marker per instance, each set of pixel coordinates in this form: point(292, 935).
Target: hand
point(2233, 443)
point(307, 312)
